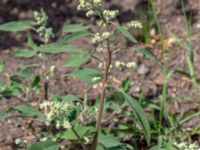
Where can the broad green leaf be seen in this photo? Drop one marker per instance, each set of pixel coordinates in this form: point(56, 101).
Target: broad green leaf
point(86, 74)
point(75, 36)
point(57, 48)
point(25, 53)
point(140, 114)
point(16, 26)
point(36, 81)
point(77, 60)
point(41, 118)
point(3, 116)
point(70, 98)
point(44, 145)
point(2, 66)
point(27, 110)
point(25, 74)
point(31, 43)
point(147, 53)
point(126, 33)
point(2, 83)
point(67, 99)
point(82, 130)
point(100, 147)
point(75, 28)
point(109, 141)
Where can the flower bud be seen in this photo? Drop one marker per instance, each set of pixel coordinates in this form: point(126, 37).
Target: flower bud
point(106, 35)
point(97, 3)
point(136, 24)
point(90, 13)
point(131, 65)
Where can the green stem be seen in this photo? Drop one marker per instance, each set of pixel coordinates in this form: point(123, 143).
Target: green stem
point(79, 138)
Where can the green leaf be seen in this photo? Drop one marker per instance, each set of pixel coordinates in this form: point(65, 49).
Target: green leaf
point(31, 43)
point(26, 74)
point(27, 110)
point(109, 141)
point(77, 60)
point(16, 26)
point(126, 33)
point(82, 131)
point(86, 74)
point(25, 53)
point(2, 66)
point(147, 53)
point(75, 28)
point(140, 114)
point(56, 48)
point(44, 145)
point(70, 98)
point(3, 116)
point(2, 83)
point(36, 81)
point(74, 36)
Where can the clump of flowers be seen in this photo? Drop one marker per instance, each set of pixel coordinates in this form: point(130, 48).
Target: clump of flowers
point(20, 143)
point(186, 146)
point(136, 24)
point(98, 38)
point(59, 113)
point(122, 65)
point(41, 22)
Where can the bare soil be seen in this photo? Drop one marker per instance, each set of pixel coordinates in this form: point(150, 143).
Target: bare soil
point(147, 77)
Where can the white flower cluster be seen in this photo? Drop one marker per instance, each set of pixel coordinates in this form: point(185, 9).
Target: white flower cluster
point(110, 14)
point(122, 65)
point(186, 146)
point(57, 113)
point(87, 4)
point(41, 22)
point(136, 24)
point(102, 65)
point(100, 37)
point(20, 143)
point(50, 72)
point(93, 6)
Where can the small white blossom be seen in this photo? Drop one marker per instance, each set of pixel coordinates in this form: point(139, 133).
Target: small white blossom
point(97, 3)
point(110, 14)
point(96, 39)
point(90, 13)
point(131, 65)
point(102, 65)
point(136, 24)
point(105, 35)
point(187, 146)
point(66, 124)
point(120, 64)
point(18, 141)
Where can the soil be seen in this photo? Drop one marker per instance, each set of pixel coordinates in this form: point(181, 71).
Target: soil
point(147, 77)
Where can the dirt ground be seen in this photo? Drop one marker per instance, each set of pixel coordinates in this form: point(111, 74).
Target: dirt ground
point(146, 77)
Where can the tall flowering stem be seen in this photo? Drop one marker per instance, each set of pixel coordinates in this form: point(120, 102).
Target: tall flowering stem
point(95, 8)
point(103, 95)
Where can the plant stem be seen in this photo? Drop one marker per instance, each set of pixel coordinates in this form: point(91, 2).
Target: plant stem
point(103, 95)
point(79, 138)
point(46, 82)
